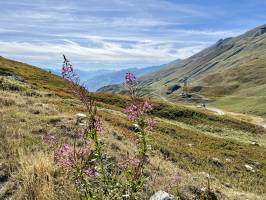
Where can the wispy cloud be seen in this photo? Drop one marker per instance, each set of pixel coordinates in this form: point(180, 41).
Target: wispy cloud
point(113, 32)
point(103, 52)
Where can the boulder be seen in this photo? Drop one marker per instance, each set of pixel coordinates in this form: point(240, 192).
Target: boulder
point(162, 195)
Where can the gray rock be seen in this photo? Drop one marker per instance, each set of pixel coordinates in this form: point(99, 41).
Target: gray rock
point(217, 162)
point(80, 117)
point(162, 195)
point(249, 168)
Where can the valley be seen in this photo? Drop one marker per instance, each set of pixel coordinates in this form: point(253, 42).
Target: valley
point(229, 75)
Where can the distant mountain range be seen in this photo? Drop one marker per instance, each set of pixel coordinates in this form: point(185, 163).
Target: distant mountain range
point(100, 78)
point(230, 74)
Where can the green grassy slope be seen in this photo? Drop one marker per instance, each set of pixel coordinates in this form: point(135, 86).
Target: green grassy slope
point(231, 73)
point(34, 76)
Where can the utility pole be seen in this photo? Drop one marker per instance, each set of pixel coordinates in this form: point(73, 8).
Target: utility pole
point(185, 87)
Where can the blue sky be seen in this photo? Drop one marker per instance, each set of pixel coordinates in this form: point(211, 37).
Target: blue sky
point(115, 34)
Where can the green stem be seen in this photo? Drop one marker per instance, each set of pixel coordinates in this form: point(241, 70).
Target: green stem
point(99, 152)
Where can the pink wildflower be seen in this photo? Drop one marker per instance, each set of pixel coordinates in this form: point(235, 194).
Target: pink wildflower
point(64, 156)
point(98, 125)
point(68, 156)
point(130, 78)
point(136, 111)
point(151, 123)
point(147, 106)
point(131, 83)
point(90, 172)
point(68, 72)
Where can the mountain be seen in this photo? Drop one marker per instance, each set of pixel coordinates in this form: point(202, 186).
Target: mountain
point(116, 77)
point(100, 78)
point(229, 74)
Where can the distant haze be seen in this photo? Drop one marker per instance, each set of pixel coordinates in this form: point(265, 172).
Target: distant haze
point(94, 80)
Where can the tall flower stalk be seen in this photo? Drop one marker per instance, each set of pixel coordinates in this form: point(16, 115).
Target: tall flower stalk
point(97, 165)
point(86, 160)
point(138, 112)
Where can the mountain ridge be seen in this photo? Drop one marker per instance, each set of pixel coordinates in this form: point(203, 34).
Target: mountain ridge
point(100, 78)
point(222, 73)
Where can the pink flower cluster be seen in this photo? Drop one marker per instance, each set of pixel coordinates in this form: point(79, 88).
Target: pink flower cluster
point(98, 125)
point(91, 172)
point(130, 78)
point(68, 72)
point(136, 111)
point(67, 69)
point(68, 156)
point(151, 123)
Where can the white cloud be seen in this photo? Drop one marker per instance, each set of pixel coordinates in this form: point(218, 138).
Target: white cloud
point(112, 53)
point(103, 32)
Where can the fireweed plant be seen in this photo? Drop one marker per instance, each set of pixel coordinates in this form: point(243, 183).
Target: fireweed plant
point(95, 175)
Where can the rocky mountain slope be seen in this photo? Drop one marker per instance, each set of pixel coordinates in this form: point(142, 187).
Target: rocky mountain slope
point(229, 74)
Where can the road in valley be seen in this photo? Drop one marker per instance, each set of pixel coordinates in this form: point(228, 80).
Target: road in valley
point(257, 120)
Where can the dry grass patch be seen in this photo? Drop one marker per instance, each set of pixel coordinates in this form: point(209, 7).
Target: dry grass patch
point(38, 178)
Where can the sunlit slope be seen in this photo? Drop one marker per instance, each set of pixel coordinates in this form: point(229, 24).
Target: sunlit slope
point(231, 73)
point(34, 76)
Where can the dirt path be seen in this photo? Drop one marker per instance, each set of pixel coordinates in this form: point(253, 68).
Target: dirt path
point(255, 120)
point(216, 110)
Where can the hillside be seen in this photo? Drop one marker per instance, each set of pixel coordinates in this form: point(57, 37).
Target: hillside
point(188, 142)
point(229, 74)
point(38, 79)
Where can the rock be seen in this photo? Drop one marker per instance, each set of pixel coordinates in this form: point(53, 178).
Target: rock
point(255, 143)
point(190, 145)
point(135, 127)
point(228, 160)
point(249, 168)
point(217, 162)
point(17, 78)
point(82, 124)
point(41, 105)
point(239, 194)
point(80, 117)
point(161, 195)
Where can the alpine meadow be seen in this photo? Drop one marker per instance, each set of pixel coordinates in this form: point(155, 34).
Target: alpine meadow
point(132, 100)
